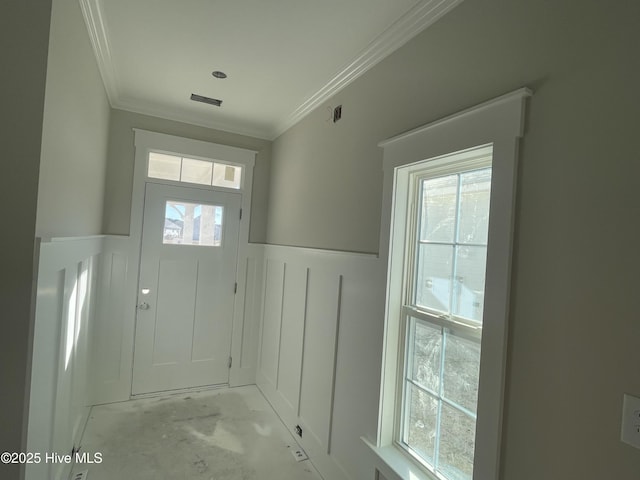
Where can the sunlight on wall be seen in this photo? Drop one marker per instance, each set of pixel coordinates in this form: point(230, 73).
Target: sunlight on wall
point(84, 292)
point(71, 321)
point(75, 307)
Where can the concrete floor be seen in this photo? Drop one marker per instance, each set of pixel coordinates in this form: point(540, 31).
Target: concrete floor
point(226, 434)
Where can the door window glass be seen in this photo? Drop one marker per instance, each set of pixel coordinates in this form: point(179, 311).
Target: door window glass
point(192, 224)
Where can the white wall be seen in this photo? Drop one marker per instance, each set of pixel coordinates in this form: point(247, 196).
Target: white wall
point(573, 329)
point(319, 362)
point(244, 344)
point(75, 129)
point(113, 325)
point(82, 347)
point(24, 37)
point(112, 329)
point(119, 183)
point(64, 323)
point(83, 339)
point(70, 203)
point(573, 325)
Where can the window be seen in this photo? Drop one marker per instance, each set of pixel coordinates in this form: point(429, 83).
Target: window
point(445, 269)
point(446, 238)
point(192, 224)
point(191, 170)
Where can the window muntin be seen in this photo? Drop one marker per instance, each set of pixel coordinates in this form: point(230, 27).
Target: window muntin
point(443, 316)
point(451, 248)
point(191, 170)
point(495, 127)
point(192, 224)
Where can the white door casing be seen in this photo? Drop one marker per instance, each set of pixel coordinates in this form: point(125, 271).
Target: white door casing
point(186, 292)
point(242, 371)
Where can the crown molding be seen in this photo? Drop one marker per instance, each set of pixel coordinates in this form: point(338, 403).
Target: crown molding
point(229, 126)
point(94, 20)
point(414, 21)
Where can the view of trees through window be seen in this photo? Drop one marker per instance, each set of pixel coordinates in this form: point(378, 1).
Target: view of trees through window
point(452, 243)
point(442, 364)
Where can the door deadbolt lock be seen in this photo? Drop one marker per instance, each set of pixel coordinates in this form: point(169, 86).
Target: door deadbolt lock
point(144, 306)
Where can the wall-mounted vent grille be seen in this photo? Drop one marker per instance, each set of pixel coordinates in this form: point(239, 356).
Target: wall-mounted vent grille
point(210, 101)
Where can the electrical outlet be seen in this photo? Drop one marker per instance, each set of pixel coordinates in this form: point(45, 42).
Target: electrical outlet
point(80, 475)
point(299, 454)
point(631, 420)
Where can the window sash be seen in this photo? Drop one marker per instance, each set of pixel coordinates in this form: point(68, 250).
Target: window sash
point(220, 175)
point(494, 127)
point(448, 323)
point(439, 395)
point(476, 164)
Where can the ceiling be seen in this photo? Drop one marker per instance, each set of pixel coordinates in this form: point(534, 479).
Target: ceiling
point(283, 58)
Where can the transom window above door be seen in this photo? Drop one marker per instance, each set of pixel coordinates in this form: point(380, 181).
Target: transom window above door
point(192, 170)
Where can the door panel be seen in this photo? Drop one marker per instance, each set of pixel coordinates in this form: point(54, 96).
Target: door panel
point(186, 288)
point(176, 295)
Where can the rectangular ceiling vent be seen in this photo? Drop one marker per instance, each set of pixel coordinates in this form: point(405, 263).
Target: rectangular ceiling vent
point(210, 101)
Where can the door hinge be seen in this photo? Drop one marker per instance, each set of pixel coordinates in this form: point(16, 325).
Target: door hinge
point(230, 361)
point(235, 288)
point(240, 214)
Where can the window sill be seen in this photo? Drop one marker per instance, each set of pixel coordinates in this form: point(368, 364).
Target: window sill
point(394, 464)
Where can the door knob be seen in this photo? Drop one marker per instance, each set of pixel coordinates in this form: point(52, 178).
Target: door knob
point(144, 306)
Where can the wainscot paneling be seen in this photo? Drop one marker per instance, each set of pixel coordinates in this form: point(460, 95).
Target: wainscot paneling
point(271, 320)
point(64, 317)
point(81, 342)
point(319, 351)
point(112, 333)
point(244, 344)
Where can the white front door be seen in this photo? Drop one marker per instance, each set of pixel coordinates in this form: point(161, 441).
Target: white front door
point(186, 288)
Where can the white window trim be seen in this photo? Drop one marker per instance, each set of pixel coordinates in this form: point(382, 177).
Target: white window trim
point(500, 123)
point(145, 142)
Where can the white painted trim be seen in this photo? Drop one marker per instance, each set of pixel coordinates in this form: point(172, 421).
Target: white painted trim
point(99, 37)
point(146, 141)
point(414, 21)
point(245, 336)
point(112, 316)
point(394, 464)
point(276, 249)
point(60, 377)
point(198, 148)
point(44, 240)
point(203, 120)
point(500, 123)
point(178, 391)
point(332, 438)
point(519, 94)
point(94, 20)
